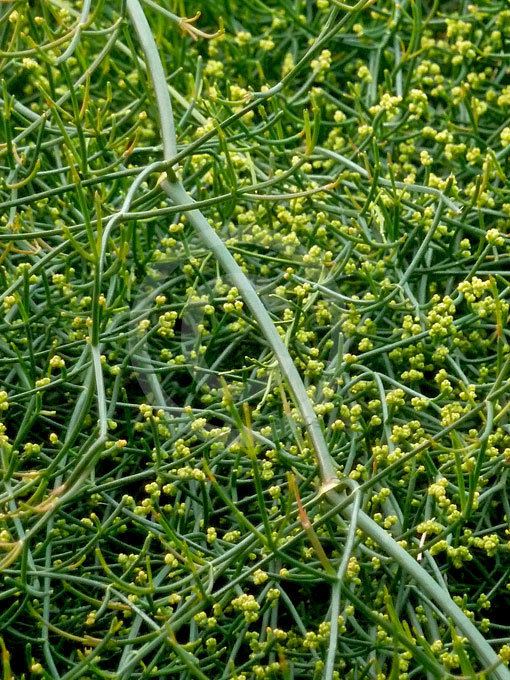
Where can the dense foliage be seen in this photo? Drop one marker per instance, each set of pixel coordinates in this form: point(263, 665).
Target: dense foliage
point(162, 512)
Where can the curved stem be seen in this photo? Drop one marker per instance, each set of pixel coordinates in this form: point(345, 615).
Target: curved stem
point(210, 238)
point(157, 74)
point(436, 593)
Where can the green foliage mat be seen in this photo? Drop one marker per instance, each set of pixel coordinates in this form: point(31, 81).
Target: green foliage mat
point(254, 269)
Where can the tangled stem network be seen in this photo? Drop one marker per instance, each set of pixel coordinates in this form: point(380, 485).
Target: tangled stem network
point(313, 479)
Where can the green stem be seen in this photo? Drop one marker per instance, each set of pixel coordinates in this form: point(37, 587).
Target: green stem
point(210, 238)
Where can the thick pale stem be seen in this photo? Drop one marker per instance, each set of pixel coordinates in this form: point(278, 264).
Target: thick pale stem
point(239, 279)
point(429, 586)
point(178, 195)
point(210, 238)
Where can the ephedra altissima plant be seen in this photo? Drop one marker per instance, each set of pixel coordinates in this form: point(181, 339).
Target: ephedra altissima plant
point(255, 361)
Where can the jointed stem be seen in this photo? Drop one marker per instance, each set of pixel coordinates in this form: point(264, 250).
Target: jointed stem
point(326, 465)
